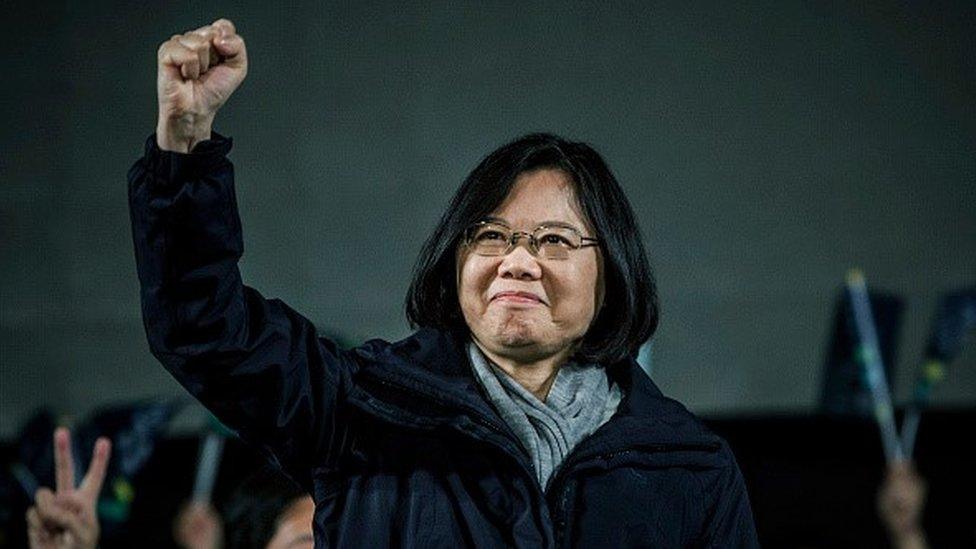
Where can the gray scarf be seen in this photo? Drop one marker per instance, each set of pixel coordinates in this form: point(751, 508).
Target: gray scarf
point(579, 402)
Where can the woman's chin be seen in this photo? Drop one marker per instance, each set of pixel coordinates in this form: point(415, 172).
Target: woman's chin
point(516, 331)
point(515, 340)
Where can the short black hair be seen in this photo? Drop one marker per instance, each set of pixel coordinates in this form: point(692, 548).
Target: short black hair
point(254, 509)
point(629, 314)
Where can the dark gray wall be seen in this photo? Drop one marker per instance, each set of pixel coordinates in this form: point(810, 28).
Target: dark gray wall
point(766, 149)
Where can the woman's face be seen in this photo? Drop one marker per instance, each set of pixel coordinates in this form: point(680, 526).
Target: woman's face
point(518, 305)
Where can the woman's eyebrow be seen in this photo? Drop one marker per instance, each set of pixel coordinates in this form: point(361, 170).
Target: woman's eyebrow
point(496, 219)
point(558, 224)
point(550, 223)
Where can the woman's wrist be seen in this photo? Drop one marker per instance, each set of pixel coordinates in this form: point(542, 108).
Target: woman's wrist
point(182, 133)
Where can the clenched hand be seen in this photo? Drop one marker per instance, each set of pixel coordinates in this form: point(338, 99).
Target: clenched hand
point(197, 72)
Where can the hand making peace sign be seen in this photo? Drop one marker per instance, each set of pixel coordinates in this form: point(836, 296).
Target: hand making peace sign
point(66, 518)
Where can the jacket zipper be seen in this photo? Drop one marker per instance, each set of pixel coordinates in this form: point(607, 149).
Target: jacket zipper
point(563, 483)
point(477, 417)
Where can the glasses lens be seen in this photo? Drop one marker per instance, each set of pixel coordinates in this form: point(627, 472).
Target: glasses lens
point(489, 239)
point(556, 242)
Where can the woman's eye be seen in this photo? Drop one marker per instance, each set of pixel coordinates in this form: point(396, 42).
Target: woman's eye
point(554, 239)
point(490, 235)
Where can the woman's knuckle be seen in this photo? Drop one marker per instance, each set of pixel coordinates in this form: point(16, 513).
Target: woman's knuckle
point(190, 40)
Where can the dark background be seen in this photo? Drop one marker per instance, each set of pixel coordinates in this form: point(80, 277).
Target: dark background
point(766, 147)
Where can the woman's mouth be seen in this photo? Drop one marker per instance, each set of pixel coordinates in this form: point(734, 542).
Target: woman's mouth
point(518, 297)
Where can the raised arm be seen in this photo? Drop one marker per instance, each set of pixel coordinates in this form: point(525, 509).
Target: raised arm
point(255, 363)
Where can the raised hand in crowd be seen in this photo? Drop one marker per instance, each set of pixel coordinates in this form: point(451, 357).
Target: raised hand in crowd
point(66, 518)
point(901, 500)
point(198, 526)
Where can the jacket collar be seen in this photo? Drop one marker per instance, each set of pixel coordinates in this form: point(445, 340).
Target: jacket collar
point(427, 379)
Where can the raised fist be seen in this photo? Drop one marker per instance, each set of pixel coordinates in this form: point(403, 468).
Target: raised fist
point(197, 72)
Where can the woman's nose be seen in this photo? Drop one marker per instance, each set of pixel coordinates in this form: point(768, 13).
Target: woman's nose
point(520, 264)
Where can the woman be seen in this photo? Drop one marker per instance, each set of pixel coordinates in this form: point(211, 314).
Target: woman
point(515, 415)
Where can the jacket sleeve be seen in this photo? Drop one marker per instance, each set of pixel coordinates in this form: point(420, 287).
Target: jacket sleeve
point(730, 522)
point(255, 363)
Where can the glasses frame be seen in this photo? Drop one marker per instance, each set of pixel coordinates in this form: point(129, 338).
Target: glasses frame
point(585, 241)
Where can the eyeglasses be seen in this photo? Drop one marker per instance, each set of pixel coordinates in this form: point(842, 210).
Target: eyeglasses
point(491, 238)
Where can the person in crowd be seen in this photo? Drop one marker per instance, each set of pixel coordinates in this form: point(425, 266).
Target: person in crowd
point(514, 416)
point(901, 500)
point(267, 510)
point(67, 518)
point(198, 526)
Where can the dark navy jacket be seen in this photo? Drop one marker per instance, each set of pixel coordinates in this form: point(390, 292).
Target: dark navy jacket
point(395, 441)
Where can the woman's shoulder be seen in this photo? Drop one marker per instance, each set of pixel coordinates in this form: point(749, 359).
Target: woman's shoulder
point(660, 417)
